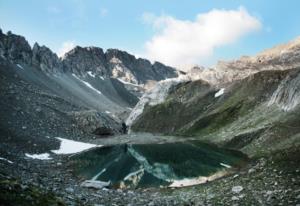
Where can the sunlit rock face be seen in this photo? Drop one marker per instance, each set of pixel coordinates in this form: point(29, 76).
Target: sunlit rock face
point(136, 70)
point(287, 95)
point(281, 57)
point(153, 165)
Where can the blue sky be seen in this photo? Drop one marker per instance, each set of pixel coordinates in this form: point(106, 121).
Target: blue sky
point(122, 24)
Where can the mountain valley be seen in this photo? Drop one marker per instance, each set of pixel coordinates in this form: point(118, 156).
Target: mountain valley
point(228, 135)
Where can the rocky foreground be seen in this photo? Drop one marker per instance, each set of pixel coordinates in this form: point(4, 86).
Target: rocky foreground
point(273, 180)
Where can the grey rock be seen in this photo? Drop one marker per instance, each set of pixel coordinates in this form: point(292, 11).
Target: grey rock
point(15, 48)
point(45, 59)
point(95, 184)
point(237, 189)
point(69, 189)
point(81, 60)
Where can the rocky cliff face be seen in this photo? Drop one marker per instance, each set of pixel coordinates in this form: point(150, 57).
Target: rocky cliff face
point(15, 48)
point(287, 95)
point(82, 60)
point(138, 71)
point(45, 59)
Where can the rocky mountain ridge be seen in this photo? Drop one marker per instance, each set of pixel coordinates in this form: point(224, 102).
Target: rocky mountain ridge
point(80, 60)
point(281, 57)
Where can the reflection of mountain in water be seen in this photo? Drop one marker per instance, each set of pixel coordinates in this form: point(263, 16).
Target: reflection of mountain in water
point(146, 165)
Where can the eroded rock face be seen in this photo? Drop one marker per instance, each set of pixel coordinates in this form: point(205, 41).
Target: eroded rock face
point(287, 95)
point(45, 59)
point(81, 60)
point(138, 71)
point(15, 48)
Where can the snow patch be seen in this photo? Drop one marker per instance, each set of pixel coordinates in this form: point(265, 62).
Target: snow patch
point(20, 66)
point(225, 165)
point(70, 146)
point(101, 77)
point(4, 159)
point(43, 156)
point(107, 112)
point(91, 74)
point(87, 84)
point(220, 92)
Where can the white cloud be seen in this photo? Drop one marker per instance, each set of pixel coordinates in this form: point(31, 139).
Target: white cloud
point(182, 42)
point(66, 46)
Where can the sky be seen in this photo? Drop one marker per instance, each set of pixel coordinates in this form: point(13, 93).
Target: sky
point(175, 32)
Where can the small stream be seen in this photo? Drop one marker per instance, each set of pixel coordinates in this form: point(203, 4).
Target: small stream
point(158, 161)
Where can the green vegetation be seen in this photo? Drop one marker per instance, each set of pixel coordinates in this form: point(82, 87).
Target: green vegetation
point(13, 193)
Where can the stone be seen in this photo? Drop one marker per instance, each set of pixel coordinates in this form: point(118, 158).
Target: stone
point(237, 189)
point(251, 170)
point(95, 184)
point(69, 190)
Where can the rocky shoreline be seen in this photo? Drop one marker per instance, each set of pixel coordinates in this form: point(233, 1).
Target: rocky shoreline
point(272, 180)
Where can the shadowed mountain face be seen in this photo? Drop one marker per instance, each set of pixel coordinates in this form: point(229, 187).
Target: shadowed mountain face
point(87, 92)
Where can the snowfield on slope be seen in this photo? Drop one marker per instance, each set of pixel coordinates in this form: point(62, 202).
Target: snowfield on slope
point(43, 156)
point(87, 84)
point(220, 92)
point(70, 146)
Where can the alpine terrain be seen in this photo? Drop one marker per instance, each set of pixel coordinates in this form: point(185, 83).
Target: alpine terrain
point(101, 127)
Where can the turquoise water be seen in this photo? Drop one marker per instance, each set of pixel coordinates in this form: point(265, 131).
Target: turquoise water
point(154, 164)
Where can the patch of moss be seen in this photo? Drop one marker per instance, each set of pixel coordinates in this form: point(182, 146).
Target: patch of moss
point(13, 193)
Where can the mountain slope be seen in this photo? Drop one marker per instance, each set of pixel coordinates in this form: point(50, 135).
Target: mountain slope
point(78, 96)
point(255, 114)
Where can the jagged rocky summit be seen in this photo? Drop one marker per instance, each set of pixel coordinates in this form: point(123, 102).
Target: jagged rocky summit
point(80, 60)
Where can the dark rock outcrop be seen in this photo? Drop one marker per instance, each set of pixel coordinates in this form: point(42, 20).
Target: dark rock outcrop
point(45, 59)
point(15, 48)
point(81, 60)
